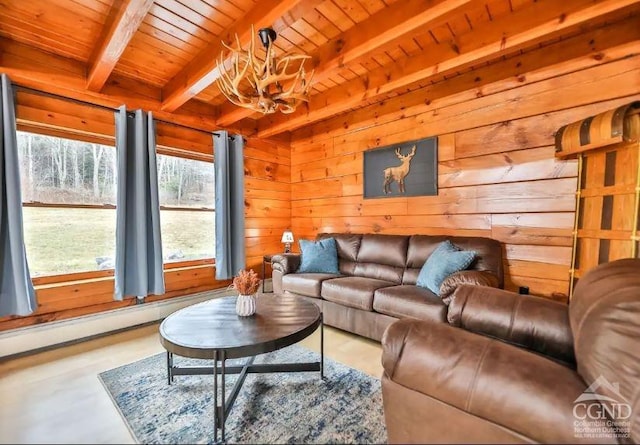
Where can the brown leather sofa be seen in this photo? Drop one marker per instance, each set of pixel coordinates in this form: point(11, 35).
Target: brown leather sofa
point(514, 368)
point(378, 273)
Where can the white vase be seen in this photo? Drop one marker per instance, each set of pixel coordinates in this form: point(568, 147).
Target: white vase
point(246, 305)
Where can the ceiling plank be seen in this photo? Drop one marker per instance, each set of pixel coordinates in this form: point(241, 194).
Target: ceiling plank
point(612, 42)
point(524, 27)
point(126, 16)
point(381, 29)
point(202, 71)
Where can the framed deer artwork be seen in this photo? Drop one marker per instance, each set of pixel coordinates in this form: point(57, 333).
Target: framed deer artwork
point(405, 169)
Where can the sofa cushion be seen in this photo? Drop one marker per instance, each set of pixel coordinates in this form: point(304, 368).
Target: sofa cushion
point(354, 292)
point(308, 284)
point(318, 256)
point(390, 250)
point(379, 272)
point(409, 301)
point(382, 257)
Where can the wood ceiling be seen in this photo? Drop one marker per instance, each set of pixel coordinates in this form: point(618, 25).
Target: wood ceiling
point(161, 54)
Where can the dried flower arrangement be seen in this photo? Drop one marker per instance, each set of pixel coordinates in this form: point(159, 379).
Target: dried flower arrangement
point(246, 282)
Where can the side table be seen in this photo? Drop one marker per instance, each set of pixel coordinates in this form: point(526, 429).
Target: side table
point(265, 259)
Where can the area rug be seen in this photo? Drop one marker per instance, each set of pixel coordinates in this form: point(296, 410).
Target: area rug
point(345, 407)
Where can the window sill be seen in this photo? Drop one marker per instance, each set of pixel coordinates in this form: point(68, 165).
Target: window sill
point(103, 275)
point(189, 263)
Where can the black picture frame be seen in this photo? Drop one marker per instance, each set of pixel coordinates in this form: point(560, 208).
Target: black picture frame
point(421, 178)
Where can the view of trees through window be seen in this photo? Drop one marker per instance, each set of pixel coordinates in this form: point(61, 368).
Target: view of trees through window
point(185, 182)
point(64, 171)
point(187, 195)
point(69, 191)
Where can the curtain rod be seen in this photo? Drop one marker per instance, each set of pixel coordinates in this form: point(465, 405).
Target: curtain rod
point(106, 107)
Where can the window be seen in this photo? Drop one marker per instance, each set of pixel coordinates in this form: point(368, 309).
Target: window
point(68, 192)
point(187, 195)
point(69, 196)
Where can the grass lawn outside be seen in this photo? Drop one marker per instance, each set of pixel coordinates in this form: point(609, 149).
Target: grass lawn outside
point(70, 240)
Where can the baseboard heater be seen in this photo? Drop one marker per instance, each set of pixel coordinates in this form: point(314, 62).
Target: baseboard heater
point(57, 333)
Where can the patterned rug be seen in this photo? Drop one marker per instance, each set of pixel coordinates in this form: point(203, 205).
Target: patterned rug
point(271, 408)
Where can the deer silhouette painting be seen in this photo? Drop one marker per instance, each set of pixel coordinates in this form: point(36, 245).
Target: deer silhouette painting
point(398, 173)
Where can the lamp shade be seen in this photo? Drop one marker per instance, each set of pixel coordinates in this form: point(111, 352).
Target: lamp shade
point(287, 236)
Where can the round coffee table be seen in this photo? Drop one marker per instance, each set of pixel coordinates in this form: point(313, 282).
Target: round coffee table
point(213, 330)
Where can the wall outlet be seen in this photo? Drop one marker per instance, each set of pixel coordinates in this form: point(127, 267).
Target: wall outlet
point(524, 290)
point(139, 300)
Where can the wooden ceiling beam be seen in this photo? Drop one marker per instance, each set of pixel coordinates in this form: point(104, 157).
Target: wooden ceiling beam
point(202, 71)
point(41, 70)
point(517, 30)
point(125, 19)
point(381, 29)
point(230, 113)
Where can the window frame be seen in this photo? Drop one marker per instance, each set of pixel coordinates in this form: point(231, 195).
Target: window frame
point(69, 277)
point(177, 153)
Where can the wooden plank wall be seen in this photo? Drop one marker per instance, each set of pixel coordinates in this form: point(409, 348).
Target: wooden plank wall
point(267, 198)
point(57, 116)
point(72, 299)
point(497, 173)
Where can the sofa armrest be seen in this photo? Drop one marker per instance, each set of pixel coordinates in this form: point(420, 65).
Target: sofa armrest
point(534, 323)
point(501, 383)
point(476, 277)
point(285, 262)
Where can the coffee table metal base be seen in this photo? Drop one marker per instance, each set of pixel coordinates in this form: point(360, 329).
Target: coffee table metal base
point(223, 408)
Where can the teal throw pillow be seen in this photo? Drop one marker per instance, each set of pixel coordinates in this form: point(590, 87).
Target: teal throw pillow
point(319, 256)
point(444, 261)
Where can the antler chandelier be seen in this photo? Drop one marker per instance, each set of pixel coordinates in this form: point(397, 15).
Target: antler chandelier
point(264, 84)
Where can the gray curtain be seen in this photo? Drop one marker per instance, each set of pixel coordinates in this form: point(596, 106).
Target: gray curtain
point(17, 296)
point(229, 169)
point(138, 270)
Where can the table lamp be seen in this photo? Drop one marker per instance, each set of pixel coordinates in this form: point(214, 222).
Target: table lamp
point(287, 239)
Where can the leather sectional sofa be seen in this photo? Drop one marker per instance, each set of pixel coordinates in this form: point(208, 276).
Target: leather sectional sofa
point(512, 368)
point(377, 281)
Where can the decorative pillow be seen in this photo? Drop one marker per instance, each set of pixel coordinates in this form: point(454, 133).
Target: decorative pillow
point(444, 261)
point(319, 256)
